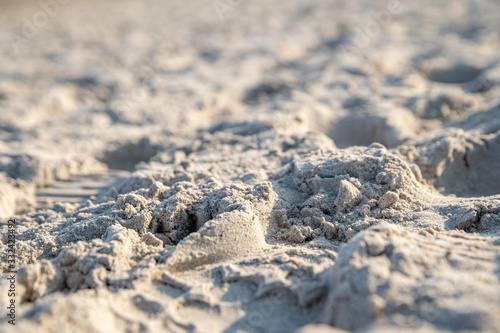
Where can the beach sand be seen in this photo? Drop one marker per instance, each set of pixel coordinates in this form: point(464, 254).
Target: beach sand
point(250, 166)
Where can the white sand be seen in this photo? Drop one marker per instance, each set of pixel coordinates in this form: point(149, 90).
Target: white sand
point(290, 166)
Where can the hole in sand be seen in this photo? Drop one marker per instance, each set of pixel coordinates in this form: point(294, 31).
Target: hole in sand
point(460, 73)
point(264, 91)
point(475, 174)
point(389, 128)
point(127, 156)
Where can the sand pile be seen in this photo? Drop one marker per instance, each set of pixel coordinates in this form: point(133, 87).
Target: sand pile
point(284, 167)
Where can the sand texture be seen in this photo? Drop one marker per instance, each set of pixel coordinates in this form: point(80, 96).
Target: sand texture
point(251, 166)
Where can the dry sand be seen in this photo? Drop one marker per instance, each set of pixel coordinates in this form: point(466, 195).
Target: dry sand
point(251, 166)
